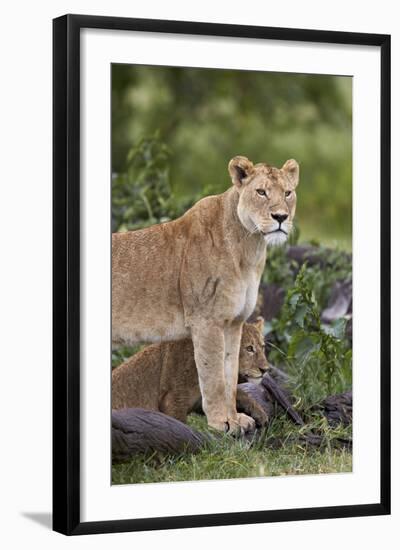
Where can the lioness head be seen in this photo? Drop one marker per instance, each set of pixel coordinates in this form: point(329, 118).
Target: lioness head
point(267, 197)
point(252, 361)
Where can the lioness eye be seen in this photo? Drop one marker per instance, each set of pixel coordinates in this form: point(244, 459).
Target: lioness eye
point(250, 349)
point(261, 192)
point(288, 193)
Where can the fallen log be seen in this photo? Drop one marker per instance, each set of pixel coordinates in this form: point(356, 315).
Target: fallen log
point(275, 392)
point(337, 409)
point(251, 399)
point(136, 431)
point(264, 396)
point(279, 376)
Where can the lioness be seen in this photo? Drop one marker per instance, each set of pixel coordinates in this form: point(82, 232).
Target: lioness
point(198, 277)
point(163, 377)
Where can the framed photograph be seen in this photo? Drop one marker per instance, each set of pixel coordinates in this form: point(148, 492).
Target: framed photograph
point(221, 274)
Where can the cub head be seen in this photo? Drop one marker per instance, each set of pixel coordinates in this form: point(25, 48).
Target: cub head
point(252, 361)
point(267, 197)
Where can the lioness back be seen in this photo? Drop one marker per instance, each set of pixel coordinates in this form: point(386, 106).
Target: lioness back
point(141, 278)
point(147, 268)
point(163, 377)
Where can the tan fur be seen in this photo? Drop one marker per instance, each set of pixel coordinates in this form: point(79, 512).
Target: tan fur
point(198, 277)
point(163, 377)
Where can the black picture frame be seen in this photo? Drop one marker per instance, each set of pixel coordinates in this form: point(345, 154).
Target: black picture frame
point(66, 273)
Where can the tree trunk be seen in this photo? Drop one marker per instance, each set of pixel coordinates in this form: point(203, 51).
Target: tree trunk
point(135, 431)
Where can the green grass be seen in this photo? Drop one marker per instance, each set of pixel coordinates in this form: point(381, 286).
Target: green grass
point(277, 451)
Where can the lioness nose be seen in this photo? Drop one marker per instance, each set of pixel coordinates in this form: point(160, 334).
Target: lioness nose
point(279, 217)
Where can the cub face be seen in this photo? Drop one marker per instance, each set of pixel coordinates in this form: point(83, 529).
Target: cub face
point(252, 360)
point(267, 197)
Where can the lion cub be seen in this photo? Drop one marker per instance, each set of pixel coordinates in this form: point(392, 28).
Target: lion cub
point(163, 377)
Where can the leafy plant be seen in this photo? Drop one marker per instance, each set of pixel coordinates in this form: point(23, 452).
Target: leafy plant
point(329, 265)
point(142, 194)
point(279, 269)
point(318, 357)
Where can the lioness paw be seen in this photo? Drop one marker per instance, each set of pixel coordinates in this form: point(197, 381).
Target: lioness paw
point(220, 424)
point(241, 424)
point(237, 425)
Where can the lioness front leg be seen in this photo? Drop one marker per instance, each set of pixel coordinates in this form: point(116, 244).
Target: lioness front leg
point(233, 334)
point(209, 351)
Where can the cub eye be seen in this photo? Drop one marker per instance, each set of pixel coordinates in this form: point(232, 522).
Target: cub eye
point(250, 349)
point(288, 193)
point(261, 192)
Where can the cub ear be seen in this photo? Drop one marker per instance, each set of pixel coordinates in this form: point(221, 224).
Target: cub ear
point(292, 169)
point(259, 324)
point(239, 169)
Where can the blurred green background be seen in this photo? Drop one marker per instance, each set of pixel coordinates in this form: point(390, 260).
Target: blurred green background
point(174, 131)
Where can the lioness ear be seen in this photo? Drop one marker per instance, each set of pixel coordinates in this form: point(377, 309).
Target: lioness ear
point(291, 168)
point(239, 169)
point(259, 324)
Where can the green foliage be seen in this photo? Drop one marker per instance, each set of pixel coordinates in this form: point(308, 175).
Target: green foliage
point(279, 269)
point(141, 194)
point(318, 357)
point(329, 266)
point(207, 116)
